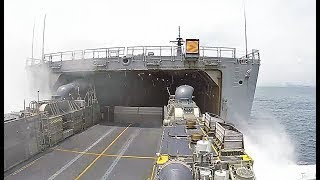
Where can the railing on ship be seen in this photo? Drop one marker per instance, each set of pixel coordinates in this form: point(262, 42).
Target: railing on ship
point(163, 53)
point(254, 55)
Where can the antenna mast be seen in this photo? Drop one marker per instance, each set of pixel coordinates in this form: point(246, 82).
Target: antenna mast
point(179, 39)
point(245, 27)
point(179, 42)
point(44, 27)
point(32, 60)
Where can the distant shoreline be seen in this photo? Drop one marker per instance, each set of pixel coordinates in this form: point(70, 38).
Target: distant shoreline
point(287, 86)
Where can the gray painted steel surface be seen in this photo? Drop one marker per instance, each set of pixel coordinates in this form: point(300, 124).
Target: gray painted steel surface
point(175, 171)
point(68, 164)
point(39, 129)
point(146, 116)
point(238, 81)
point(20, 140)
point(184, 92)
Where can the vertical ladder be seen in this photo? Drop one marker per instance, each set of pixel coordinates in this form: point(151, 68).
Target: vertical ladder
point(236, 75)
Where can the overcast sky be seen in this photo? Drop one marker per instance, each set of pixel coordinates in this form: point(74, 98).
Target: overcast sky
point(284, 31)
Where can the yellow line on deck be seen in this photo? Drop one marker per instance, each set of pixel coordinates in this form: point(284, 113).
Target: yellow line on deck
point(151, 177)
point(126, 156)
point(78, 177)
point(154, 163)
point(215, 150)
point(79, 152)
point(106, 155)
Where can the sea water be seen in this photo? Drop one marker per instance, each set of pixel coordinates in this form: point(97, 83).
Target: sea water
point(281, 133)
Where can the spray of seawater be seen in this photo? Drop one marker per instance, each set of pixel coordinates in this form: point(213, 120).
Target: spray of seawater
point(273, 151)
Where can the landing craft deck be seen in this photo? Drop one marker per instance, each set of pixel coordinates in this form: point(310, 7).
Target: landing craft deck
point(126, 149)
point(118, 150)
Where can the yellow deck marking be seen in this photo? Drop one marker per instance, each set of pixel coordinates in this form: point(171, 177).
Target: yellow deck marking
point(79, 152)
point(78, 177)
point(107, 155)
point(215, 150)
point(126, 156)
point(23, 168)
point(162, 159)
point(151, 177)
point(155, 161)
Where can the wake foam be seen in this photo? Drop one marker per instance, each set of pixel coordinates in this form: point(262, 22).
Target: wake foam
point(272, 150)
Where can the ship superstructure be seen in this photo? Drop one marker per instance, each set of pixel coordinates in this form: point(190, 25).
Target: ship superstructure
point(112, 114)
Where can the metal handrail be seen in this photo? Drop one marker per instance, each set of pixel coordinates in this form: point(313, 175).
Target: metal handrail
point(96, 53)
point(254, 55)
point(152, 51)
point(148, 52)
point(33, 61)
point(219, 51)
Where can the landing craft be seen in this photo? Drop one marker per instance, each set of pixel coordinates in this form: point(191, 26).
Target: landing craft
point(140, 112)
point(195, 147)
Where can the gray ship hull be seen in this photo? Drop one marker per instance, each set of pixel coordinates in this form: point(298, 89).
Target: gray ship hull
point(225, 84)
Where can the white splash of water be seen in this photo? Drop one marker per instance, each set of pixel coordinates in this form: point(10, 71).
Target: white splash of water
point(22, 85)
point(267, 142)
